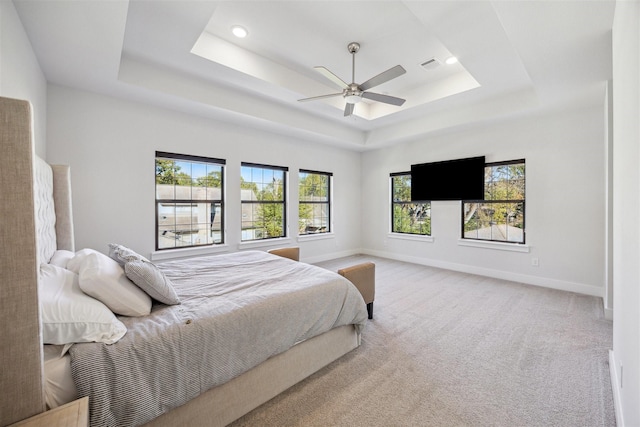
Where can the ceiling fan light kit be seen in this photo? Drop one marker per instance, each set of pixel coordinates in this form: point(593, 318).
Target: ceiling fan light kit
point(353, 92)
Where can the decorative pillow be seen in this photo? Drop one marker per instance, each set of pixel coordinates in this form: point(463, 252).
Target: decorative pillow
point(74, 263)
point(151, 280)
point(104, 279)
point(70, 316)
point(61, 257)
point(122, 254)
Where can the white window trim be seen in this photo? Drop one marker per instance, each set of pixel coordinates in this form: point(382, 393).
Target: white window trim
point(167, 254)
point(249, 244)
point(510, 247)
point(315, 236)
point(409, 236)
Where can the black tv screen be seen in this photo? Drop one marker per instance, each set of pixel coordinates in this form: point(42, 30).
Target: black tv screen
point(461, 179)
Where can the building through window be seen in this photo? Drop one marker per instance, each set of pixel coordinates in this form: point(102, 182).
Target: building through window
point(408, 217)
point(500, 216)
point(314, 202)
point(189, 201)
point(263, 198)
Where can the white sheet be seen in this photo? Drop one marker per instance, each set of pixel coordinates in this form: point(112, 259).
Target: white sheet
point(59, 387)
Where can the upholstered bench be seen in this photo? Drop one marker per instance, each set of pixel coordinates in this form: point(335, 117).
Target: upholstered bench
point(363, 276)
point(291, 253)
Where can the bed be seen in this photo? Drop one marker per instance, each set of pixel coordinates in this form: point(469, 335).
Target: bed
point(239, 378)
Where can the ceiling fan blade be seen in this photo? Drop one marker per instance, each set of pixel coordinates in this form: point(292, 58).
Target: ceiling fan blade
point(348, 109)
point(335, 79)
point(313, 98)
point(383, 77)
point(383, 98)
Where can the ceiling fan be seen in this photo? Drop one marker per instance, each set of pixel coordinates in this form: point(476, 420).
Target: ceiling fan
point(353, 92)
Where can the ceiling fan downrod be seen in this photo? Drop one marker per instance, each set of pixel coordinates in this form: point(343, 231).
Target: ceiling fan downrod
point(353, 49)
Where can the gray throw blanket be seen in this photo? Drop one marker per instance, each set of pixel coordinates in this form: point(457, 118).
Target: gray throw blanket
point(237, 311)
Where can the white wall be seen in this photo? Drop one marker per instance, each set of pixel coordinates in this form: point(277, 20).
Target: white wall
point(564, 200)
point(20, 73)
point(608, 208)
point(111, 144)
point(625, 358)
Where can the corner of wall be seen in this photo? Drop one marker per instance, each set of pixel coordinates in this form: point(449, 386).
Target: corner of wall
point(615, 388)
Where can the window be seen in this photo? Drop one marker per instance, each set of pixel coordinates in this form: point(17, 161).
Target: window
point(500, 216)
point(263, 190)
point(406, 216)
point(189, 201)
point(314, 202)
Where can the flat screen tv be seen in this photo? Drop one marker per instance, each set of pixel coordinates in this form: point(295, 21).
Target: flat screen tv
point(460, 179)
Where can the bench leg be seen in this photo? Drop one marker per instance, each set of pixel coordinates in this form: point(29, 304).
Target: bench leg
point(370, 310)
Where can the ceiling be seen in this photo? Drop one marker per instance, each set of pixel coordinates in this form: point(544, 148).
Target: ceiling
point(516, 58)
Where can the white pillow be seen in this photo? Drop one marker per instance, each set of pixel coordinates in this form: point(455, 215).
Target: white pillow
point(61, 258)
point(70, 316)
point(151, 280)
point(104, 279)
point(74, 263)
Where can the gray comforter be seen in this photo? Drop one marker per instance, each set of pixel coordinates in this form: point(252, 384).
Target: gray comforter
point(237, 311)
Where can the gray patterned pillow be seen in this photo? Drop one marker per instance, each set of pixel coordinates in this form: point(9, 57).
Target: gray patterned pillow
point(151, 280)
point(122, 254)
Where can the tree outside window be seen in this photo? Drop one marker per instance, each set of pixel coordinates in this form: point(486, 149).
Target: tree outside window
point(263, 190)
point(189, 201)
point(500, 216)
point(408, 217)
point(314, 202)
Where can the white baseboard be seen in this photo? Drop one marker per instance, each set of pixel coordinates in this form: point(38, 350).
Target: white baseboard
point(608, 313)
point(497, 274)
point(615, 387)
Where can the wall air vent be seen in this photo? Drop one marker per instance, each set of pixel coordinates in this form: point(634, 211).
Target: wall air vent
point(431, 64)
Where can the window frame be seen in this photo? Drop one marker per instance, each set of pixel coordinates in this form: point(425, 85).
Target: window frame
point(486, 201)
point(285, 171)
point(221, 201)
point(392, 176)
point(328, 202)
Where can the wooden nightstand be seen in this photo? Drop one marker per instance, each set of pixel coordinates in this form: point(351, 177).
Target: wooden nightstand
point(72, 414)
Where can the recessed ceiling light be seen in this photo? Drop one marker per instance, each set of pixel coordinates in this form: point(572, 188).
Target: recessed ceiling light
point(451, 60)
point(239, 31)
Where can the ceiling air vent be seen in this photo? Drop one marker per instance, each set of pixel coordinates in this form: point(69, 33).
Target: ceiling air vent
point(431, 64)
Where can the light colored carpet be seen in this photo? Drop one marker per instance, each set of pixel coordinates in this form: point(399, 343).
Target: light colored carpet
point(454, 349)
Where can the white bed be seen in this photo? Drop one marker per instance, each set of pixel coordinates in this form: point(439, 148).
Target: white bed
point(44, 196)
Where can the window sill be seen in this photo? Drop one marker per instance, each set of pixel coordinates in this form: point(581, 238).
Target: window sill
point(318, 236)
point(511, 247)
point(264, 243)
point(168, 254)
point(414, 237)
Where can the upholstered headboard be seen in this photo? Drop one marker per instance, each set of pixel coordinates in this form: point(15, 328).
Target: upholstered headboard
point(34, 224)
point(54, 222)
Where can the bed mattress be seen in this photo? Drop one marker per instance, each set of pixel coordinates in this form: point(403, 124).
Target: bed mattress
point(59, 387)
